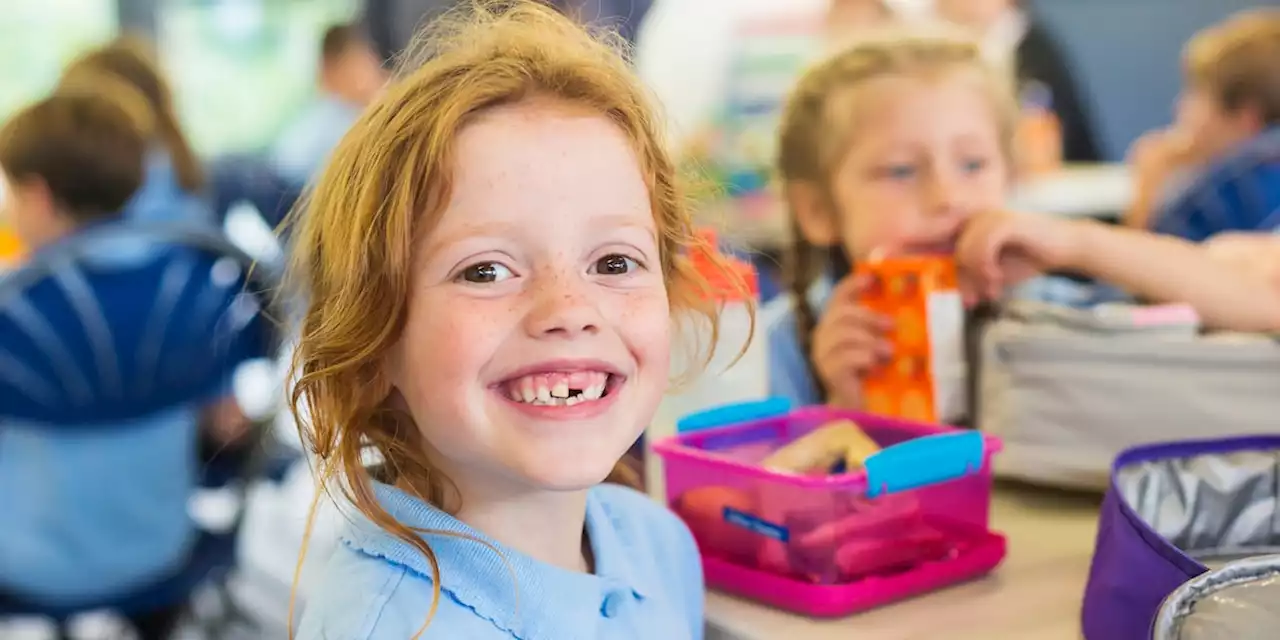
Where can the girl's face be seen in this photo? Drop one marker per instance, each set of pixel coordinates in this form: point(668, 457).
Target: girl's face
point(923, 156)
point(536, 344)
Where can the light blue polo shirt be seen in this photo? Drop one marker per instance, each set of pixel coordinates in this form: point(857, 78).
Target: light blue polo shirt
point(789, 371)
point(647, 581)
point(161, 199)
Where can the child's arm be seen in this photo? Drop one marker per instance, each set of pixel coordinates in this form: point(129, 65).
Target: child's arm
point(1254, 254)
point(1168, 269)
point(999, 249)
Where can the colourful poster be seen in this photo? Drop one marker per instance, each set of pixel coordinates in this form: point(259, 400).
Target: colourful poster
point(769, 58)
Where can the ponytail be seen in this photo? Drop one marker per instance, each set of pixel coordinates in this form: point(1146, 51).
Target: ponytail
point(186, 165)
point(131, 60)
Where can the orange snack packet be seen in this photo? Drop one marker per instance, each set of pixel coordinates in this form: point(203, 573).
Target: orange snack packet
point(925, 380)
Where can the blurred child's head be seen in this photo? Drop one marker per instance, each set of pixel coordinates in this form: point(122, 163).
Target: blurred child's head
point(978, 15)
point(891, 145)
point(350, 68)
point(1232, 90)
point(131, 60)
point(846, 18)
point(72, 159)
point(503, 225)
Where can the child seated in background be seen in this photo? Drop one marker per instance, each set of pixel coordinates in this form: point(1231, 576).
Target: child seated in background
point(111, 512)
point(82, 523)
point(891, 145)
point(1224, 148)
point(902, 144)
point(173, 188)
point(350, 77)
point(1228, 131)
point(73, 160)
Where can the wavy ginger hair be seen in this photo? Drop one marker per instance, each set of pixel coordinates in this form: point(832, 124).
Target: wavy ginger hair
point(385, 185)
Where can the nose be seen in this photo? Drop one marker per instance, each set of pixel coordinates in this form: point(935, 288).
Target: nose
point(944, 193)
point(563, 307)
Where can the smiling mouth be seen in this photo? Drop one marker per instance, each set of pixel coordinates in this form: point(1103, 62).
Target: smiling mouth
point(564, 389)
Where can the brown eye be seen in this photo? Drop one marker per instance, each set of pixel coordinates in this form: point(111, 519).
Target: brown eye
point(485, 273)
point(615, 264)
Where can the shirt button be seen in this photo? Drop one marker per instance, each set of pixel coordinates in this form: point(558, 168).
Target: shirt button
point(612, 605)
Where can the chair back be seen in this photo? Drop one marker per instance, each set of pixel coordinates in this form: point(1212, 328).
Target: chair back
point(110, 344)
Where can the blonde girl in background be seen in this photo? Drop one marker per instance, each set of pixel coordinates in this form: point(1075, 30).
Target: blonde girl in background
point(890, 145)
point(902, 144)
point(492, 259)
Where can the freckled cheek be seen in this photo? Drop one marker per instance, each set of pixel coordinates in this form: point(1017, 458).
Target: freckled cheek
point(644, 320)
point(449, 340)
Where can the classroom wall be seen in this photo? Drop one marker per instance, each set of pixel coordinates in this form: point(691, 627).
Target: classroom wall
point(1127, 51)
point(1127, 56)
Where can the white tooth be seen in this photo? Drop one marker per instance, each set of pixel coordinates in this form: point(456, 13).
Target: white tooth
point(514, 393)
point(544, 394)
point(561, 389)
point(526, 389)
point(592, 392)
point(570, 401)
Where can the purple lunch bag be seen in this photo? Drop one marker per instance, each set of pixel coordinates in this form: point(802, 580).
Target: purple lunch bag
point(1173, 512)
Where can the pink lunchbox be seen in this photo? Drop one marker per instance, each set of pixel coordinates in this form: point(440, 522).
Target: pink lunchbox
point(914, 519)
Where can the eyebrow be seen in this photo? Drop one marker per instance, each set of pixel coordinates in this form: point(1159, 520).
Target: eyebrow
point(504, 229)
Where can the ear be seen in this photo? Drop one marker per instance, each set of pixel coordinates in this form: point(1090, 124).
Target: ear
point(813, 213)
point(36, 198)
point(1248, 119)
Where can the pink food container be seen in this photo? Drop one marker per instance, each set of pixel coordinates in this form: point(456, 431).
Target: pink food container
point(914, 519)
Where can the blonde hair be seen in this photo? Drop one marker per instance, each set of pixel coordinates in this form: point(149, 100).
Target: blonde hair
point(816, 132)
point(385, 185)
point(1238, 61)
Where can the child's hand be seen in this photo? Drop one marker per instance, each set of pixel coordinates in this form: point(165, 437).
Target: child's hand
point(1000, 249)
point(1155, 152)
point(1253, 254)
point(849, 341)
point(1154, 159)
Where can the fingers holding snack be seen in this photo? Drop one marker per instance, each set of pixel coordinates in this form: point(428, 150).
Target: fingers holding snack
point(1001, 249)
point(849, 340)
